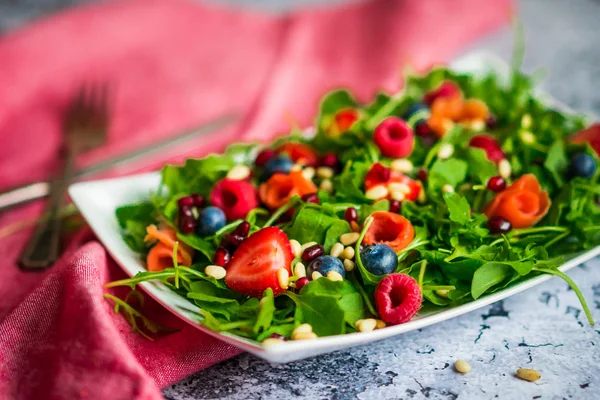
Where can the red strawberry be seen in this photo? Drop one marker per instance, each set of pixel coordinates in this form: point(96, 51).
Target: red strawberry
point(446, 89)
point(398, 298)
point(394, 138)
point(490, 145)
point(590, 135)
point(300, 153)
point(236, 198)
point(254, 265)
point(381, 175)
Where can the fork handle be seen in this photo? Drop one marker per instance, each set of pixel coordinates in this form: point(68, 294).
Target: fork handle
point(42, 250)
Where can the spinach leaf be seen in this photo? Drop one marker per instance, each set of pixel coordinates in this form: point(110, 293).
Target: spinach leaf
point(265, 313)
point(489, 275)
point(133, 220)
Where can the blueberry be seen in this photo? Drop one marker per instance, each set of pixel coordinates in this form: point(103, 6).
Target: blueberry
point(278, 164)
point(584, 165)
point(324, 264)
point(419, 108)
point(211, 219)
point(379, 259)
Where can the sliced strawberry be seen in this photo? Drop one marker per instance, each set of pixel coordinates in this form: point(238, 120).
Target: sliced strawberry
point(590, 135)
point(382, 175)
point(236, 198)
point(398, 298)
point(254, 265)
point(489, 145)
point(300, 153)
point(446, 89)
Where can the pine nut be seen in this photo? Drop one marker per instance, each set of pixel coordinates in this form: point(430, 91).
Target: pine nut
point(528, 374)
point(348, 265)
point(366, 325)
point(296, 168)
point(402, 165)
point(272, 342)
point(475, 124)
point(304, 336)
point(215, 271)
point(396, 195)
point(316, 275)
point(380, 324)
point(336, 250)
point(422, 197)
point(527, 137)
point(348, 253)
point(296, 248)
point(462, 366)
point(448, 189)
point(308, 173)
point(442, 293)
point(303, 328)
point(348, 239)
point(306, 246)
point(526, 121)
point(399, 187)
point(238, 173)
point(326, 185)
point(504, 168)
point(446, 150)
point(377, 192)
point(324, 172)
point(299, 270)
point(283, 277)
point(334, 276)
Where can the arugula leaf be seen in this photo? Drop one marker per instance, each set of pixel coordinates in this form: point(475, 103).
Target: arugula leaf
point(205, 247)
point(265, 313)
point(217, 301)
point(480, 168)
point(450, 171)
point(133, 220)
point(458, 207)
point(349, 183)
point(489, 275)
point(557, 162)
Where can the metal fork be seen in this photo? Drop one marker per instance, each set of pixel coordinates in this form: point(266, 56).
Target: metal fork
point(85, 128)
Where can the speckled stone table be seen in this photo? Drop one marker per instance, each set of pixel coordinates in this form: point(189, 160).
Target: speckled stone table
point(543, 328)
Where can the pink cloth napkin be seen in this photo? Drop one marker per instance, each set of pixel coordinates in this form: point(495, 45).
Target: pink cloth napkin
point(172, 64)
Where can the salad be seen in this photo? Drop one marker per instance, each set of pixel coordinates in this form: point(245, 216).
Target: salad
point(454, 188)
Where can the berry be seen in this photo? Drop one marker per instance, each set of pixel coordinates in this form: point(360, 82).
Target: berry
point(263, 157)
point(422, 175)
point(489, 145)
point(300, 283)
point(279, 336)
point(281, 164)
point(583, 165)
point(312, 252)
point(299, 153)
point(186, 201)
point(416, 114)
point(498, 225)
point(351, 215)
point(242, 229)
point(187, 225)
point(496, 184)
point(198, 200)
point(232, 241)
point(446, 89)
point(221, 257)
point(236, 198)
point(211, 219)
point(330, 160)
point(310, 198)
point(398, 298)
point(379, 259)
point(324, 264)
point(394, 138)
point(395, 206)
point(422, 129)
point(186, 212)
point(413, 109)
point(254, 265)
point(490, 122)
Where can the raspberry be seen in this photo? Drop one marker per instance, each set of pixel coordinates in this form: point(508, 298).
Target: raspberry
point(489, 145)
point(394, 138)
point(235, 198)
point(446, 89)
point(398, 298)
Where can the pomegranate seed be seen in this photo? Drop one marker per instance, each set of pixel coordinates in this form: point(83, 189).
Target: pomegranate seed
point(186, 212)
point(221, 257)
point(351, 215)
point(263, 157)
point(310, 198)
point(496, 184)
point(186, 201)
point(187, 226)
point(198, 200)
point(330, 160)
point(499, 225)
point(490, 121)
point(242, 229)
point(277, 336)
point(422, 175)
point(300, 283)
point(395, 206)
point(232, 241)
point(422, 129)
point(312, 252)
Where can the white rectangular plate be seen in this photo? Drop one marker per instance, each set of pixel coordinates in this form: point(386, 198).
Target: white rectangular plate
point(98, 201)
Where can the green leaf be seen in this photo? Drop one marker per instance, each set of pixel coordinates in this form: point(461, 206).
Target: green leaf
point(557, 162)
point(480, 168)
point(458, 207)
point(451, 172)
point(205, 247)
point(312, 225)
point(489, 275)
point(133, 220)
point(265, 313)
point(216, 300)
